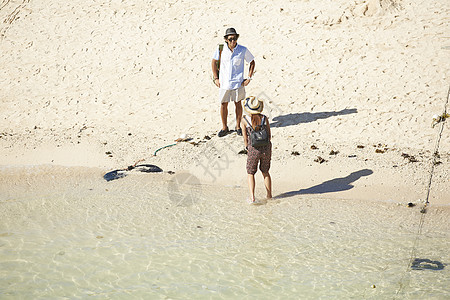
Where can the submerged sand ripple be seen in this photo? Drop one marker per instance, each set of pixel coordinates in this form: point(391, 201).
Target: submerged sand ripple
point(83, 236)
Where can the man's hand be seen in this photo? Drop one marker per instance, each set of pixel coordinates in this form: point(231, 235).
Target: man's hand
point(217, 82)
point(246, 82)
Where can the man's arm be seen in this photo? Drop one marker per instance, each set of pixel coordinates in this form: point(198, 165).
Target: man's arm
point(215, 72)
point(250, 73)
point(251, 68)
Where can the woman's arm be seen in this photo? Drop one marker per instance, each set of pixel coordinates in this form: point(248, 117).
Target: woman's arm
point(244, 132)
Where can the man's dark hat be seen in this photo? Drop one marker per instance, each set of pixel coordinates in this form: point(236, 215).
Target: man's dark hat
point(230, 31)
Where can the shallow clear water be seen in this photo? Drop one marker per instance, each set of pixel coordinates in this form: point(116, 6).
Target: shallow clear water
point(65, 232)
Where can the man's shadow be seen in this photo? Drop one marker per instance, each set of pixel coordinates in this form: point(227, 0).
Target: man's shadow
point(330, 186)
point(306, 117)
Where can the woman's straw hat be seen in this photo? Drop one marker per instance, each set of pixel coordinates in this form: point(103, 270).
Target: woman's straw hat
point(253, 105)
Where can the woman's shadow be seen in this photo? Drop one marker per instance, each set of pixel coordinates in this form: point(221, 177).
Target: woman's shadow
point(306, 117)
point(330, 186)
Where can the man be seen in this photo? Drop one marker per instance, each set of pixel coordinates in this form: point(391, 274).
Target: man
point(230, 80)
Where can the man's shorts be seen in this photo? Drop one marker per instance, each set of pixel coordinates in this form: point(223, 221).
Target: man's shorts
point(232, 95)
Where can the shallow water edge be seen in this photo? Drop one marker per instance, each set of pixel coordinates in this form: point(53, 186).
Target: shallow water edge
point(66, 231)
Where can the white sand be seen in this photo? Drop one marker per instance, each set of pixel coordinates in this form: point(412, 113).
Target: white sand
point(84, 78)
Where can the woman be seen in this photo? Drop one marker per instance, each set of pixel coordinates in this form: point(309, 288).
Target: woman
point(260, 154)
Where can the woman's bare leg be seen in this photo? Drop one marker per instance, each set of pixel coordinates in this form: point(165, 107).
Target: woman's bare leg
point(268, 184)
point(251, 186)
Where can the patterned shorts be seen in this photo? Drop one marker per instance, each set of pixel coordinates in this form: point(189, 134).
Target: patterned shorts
point(261, 155)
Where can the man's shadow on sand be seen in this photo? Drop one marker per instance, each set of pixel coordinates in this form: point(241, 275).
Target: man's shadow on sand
point(330, 186)
point(306, 117)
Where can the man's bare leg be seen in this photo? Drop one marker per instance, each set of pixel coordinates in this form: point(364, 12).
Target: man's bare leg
point(224, 114)
point(238, 110)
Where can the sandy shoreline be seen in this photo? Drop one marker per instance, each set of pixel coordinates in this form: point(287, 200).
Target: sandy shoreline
point(106, 84)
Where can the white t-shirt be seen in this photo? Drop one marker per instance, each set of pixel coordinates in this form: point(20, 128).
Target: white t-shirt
point(231, 74)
